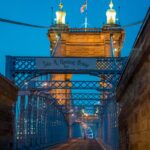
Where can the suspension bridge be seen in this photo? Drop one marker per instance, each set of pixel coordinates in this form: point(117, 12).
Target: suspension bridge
point(55, 108)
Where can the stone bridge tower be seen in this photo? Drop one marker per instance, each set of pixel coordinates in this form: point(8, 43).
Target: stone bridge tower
point(84, 42)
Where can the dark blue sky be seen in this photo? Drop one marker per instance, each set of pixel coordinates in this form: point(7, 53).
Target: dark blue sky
point(24, 41)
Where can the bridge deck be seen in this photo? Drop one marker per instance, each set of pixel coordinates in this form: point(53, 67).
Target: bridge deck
point(79, 144)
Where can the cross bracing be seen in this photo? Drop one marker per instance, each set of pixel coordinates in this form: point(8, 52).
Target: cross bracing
point(77, 109)
point(76, 99)
point(25, 70)
point(72, 96)
point(84, 85)
point(88, 104)
point(83, 96)
point(22, 69)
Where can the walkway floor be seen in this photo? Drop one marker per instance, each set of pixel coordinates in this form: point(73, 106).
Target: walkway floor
point(79, 144)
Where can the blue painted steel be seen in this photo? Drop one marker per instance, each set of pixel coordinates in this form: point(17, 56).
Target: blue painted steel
point(22, 69)
point(39, 123)
point(84, 85)
point(76, 130)
point(109, 124)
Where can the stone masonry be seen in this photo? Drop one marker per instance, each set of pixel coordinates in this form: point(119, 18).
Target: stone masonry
point(133, 94)
point(8, 96)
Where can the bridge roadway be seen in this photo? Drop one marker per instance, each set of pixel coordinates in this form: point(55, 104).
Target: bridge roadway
point(79, 144)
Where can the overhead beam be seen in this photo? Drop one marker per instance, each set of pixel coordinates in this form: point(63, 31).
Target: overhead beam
point(84, 85)
point(21, 69)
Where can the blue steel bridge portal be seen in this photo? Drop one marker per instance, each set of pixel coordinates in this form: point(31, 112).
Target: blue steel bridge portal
point(41, 120)
point(51, 108)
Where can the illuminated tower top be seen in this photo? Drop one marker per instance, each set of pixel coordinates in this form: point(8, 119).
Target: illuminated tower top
point(60, 15)
point(90, 42)
point(111, 14)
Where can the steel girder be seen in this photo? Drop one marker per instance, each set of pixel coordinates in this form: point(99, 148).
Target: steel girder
point(76, 100)
point(90, 105)
point(84, 85)
point(72, 97)
point(36, 119)
point(77, 104)
point(22, 69)
point(85, 103)
point(83, 96)
point(77, 109)
point(53, 99)
point(111, 79)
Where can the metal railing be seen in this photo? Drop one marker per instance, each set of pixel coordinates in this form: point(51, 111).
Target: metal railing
point(39, 123)
point(63, 29)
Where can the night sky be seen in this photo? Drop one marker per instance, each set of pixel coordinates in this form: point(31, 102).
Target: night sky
point(24, 41)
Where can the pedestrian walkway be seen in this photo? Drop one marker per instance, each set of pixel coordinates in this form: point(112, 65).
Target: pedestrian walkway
point(79, 144)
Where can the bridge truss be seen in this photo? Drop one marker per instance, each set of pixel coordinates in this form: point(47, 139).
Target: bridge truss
point(27, 72)
point(38, 121)
point(23, 69)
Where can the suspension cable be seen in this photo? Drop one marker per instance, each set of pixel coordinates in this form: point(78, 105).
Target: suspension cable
point(22, 23)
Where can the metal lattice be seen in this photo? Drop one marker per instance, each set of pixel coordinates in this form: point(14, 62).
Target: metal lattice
point(22, 69)
point(84, 85)
point(80, 100)
point(36, 119)
point(83, 96)
point(40, 111)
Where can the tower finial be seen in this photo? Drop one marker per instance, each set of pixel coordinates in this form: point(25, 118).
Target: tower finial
point(111, 5)
point(60, 14)
point(60, 5)
point(111, 14)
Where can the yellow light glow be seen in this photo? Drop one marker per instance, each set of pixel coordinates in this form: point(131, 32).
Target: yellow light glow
point(111, 14)
point(45, 84)
point(103, 84)
point(60, 15)
point(86, 115)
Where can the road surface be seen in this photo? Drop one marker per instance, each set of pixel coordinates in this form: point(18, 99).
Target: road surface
point(79, 144)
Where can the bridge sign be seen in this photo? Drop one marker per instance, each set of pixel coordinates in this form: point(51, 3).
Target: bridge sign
point(66, 63)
